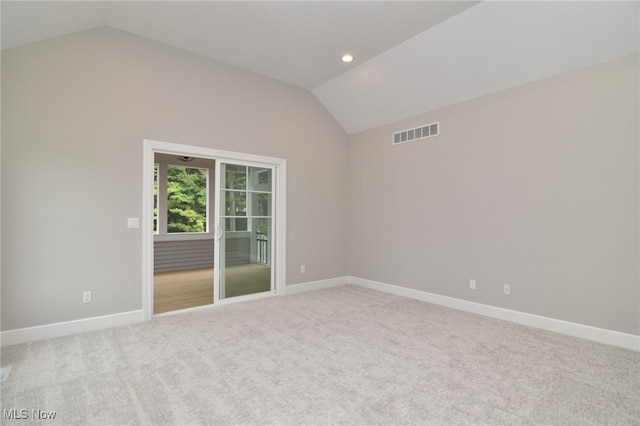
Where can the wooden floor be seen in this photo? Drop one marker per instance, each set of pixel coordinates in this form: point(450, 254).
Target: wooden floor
point(187, 289)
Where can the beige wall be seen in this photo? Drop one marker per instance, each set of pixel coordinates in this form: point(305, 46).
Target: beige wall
point(75, 111)
point(536, 187)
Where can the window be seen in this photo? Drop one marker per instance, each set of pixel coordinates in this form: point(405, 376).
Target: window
point(186, 202)
point(247, 204)
point(235, 203)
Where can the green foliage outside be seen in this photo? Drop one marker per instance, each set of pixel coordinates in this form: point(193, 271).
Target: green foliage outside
point(186, 199)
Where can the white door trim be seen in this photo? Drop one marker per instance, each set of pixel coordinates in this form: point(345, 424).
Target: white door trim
point(151, 147)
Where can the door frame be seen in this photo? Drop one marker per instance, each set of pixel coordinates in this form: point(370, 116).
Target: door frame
point(278, 261)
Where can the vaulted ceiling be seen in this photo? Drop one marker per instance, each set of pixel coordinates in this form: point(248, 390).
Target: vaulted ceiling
point(410, 57)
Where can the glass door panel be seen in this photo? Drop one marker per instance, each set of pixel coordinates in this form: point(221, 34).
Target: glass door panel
point(246, 196)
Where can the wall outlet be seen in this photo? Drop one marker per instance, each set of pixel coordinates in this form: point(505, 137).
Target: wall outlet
point(472, 284)
point(303, 269)
point(506, 289)
point(86, 296)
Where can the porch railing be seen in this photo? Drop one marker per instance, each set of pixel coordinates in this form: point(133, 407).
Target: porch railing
point(262, 247)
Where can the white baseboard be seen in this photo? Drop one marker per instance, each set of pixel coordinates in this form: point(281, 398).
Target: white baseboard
point(49, 331)
point(316, 285)
point(610, 337)
point(601, 335)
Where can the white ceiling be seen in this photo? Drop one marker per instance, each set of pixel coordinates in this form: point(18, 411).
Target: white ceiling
point(411, 57)
point(299, 42)
point(490, 47)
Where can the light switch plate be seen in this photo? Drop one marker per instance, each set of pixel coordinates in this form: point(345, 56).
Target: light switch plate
point(133, 222)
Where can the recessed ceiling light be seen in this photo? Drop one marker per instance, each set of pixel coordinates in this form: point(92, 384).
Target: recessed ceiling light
point(347, 58)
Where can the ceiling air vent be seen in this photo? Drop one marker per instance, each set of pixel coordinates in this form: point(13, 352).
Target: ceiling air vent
point(422, 132)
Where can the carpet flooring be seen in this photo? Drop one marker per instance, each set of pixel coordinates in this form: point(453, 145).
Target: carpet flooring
point(345, 355)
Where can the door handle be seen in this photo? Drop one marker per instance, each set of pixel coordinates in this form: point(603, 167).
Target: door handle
point(218, 233)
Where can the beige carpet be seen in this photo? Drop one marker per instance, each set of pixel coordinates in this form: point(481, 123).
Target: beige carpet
point(345, 355)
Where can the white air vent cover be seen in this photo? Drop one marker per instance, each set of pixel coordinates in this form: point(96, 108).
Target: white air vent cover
point(422, 132)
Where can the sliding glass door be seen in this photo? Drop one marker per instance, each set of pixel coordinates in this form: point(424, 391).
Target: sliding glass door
point(244, 230)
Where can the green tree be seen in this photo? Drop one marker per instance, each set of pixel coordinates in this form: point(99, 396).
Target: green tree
point(186, 199)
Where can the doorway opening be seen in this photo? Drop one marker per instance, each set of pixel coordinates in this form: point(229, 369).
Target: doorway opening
point(213, 227)
point(183, 242)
